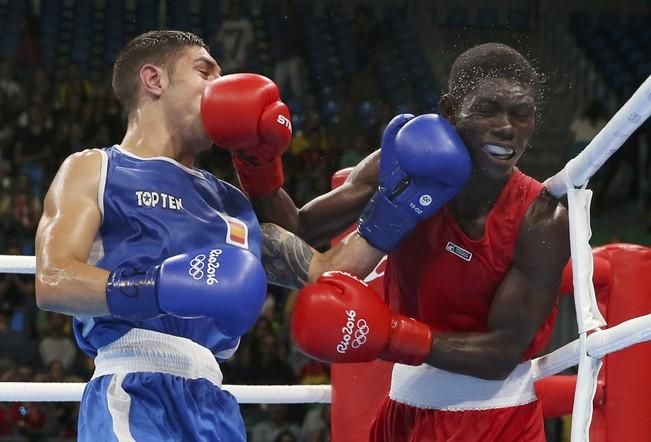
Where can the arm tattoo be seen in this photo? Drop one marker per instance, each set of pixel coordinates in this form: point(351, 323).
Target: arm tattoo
point(286, 258)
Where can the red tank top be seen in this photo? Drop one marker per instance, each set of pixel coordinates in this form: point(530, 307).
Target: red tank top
point(447, 280)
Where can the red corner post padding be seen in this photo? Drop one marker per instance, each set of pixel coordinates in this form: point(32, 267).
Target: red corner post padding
point(625, 414)
point(622, 406)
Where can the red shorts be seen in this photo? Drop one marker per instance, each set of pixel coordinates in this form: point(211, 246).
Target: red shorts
point(396, 422)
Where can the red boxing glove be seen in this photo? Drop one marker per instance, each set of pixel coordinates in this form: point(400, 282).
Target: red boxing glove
point(243, 114)
point(341, 319)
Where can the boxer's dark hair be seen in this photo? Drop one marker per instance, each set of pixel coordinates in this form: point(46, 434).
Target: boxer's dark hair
point(490, 60)
point(160, 48)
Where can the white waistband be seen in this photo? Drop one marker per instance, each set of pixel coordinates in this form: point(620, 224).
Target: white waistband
point(432, 388)
point(142, 350)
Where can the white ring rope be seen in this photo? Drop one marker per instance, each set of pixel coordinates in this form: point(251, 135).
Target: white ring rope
point(245, 394)
point(18, 264)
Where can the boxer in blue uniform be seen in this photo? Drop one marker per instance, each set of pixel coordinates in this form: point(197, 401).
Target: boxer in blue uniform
point(164, 266)
point(155, 208)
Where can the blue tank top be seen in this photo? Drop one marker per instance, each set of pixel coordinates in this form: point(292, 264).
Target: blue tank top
point(154, 208)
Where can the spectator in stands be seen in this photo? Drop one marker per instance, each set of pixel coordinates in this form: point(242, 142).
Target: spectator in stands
point(233, 42)
point(585, 126)
point(28, 53)
point(267, 366)
point(18, 299)
point(16, 352)
point(316, 424)
point(11, 103)
point(10, 90)
point(55, 373)
point(6, 424)
point(285, 47)
point(28, 418)
point(107, 111)
point(34, 144)
point(21, 209)
point(356, 152)
point(14, 289)
point(70, 138)
point(367, 39)
point(74, 85)
point(286, 436)
point(57, 345)
point(274, 423)
point(40, 84)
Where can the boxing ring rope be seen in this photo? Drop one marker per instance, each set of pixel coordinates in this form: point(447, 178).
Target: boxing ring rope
point(586, 351)
point(245, 394)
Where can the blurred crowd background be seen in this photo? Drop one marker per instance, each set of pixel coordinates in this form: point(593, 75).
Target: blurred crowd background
point(344, 68)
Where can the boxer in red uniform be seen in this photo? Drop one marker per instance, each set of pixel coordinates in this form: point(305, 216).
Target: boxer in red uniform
point(481, 279)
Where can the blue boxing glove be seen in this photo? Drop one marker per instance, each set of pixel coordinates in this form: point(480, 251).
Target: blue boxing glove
point(225, 283)
point(423, 164)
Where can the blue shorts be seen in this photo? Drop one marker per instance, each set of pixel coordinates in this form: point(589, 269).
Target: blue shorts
point(158, 407)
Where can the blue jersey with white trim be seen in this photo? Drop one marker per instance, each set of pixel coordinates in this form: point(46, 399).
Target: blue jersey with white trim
point(154, 208)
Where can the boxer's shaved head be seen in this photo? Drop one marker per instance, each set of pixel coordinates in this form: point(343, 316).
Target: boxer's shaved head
point(490, 60)
point(160, 48)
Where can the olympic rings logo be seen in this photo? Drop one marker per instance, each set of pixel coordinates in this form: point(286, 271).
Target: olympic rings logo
point(354, 333)
point(360, 334)
point(196, 266)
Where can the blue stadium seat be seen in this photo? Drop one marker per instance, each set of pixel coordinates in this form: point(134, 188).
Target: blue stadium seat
point(457, 17)
point(608, 20)
point(14, 26)
point(330, 110)
point(146, 15)
point(82, 33)
point(178, 15)
point(517, 19)
point(210, 17)
point(580, 20)
point(367, 114)
point(114, 30)
point(487, 18)
point(49, 32)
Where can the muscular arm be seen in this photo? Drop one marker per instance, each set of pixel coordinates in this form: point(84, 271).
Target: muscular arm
point(70, 221)
point(290, 262)
point(523, 300)
point(321, 219)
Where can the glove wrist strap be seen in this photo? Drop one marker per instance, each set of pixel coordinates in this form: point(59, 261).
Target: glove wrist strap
point(132, 295)
point(260, 181)
point(411, 341)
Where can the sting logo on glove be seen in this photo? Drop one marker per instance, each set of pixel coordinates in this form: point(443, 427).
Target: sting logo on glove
point(348, 331)
point(284, 121)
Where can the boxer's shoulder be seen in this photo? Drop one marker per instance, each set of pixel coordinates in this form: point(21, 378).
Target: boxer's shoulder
point(546, 212)
point(81, 170)
point(86, 157)
point(544, 231)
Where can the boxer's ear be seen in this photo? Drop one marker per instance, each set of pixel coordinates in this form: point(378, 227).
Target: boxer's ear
point(153, 79)
point(448, 108)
